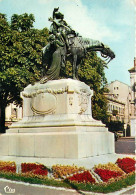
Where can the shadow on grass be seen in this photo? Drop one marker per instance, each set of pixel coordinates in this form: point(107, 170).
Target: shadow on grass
point(73, 186)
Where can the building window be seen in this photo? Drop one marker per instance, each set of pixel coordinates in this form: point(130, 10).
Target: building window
point(116, 88)
point(123, 111)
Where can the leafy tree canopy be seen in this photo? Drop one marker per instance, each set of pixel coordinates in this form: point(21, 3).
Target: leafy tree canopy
point(20, 57)
point(115, 126)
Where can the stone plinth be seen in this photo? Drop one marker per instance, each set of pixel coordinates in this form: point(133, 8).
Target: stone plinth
point(57, 123)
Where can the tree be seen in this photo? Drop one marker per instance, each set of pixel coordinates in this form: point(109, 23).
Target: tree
point(91, 72)
point(114, 112)
point(20, 58)
point(115, 126)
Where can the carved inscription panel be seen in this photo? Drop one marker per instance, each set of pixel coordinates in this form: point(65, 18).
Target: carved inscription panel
point(44, 103)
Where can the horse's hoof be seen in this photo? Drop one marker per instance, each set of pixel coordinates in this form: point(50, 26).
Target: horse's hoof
point(33, 83)
point(74, 78)
point(43, 80)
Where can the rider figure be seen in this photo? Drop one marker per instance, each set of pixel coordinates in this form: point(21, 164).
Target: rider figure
point(60, 28)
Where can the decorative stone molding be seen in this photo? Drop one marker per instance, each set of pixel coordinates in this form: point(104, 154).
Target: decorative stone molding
point(47, 90)
point(64, 96)
point(39, 107)
point(56, 91)
point(83, 101)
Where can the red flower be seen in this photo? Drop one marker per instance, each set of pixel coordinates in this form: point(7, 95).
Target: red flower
point(82, 177)
point(26, 167)
point(40, 171)
point(107, 174)
point(126, 164)
point(8, 169)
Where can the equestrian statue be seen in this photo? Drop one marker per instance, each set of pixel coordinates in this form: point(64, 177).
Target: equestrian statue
point(64, 43)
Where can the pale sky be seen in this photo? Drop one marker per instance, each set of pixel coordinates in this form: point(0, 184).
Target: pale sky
point(109, 21)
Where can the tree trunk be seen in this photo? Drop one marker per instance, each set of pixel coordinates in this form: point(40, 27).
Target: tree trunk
point(2, 118)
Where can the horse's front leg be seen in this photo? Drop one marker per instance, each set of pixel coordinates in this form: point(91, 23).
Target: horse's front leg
point(74, 66)
point(76, 72)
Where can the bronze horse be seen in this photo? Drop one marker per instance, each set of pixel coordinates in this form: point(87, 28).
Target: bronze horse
point(55, 55)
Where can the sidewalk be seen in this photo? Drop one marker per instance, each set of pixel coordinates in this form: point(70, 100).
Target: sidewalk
point(127, 138)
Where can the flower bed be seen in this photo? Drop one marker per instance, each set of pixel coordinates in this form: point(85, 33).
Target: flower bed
point(109, 166)
point(7, 163)
point(8, 169)
point(33, 169)
point(105, 175)
point(108, 171)
point(8, 166)
point(126, 164)
point(82, 177)
point(62, 171)
point(102, 173)
point(27, 167)
point(40, 171)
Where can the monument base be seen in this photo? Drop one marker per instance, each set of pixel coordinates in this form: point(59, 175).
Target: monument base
point(56, 144)
point(57, 123)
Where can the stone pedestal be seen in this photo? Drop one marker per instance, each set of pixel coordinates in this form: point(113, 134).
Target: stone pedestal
point(57, 123)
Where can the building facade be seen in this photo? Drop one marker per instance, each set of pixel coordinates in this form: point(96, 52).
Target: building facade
point(119, 101)
point(13, 113)
point(132, 72)
point(116, 109)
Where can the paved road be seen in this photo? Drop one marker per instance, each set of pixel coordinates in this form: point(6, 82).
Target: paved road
point(21, 188)
point(125, 146)
point(28, 189)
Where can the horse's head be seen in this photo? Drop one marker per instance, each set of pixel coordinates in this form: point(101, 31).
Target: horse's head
point(107, 53)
